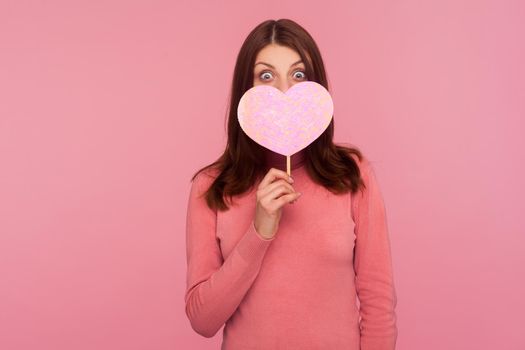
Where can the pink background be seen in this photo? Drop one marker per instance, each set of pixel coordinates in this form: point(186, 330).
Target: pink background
point(100, 102)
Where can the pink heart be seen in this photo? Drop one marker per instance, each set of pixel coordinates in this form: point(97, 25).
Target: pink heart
point(285, 122)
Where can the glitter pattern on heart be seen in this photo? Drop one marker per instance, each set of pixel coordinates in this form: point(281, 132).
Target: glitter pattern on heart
point(285, 122)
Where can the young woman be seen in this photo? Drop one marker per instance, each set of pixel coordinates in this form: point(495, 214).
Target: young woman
point(283, 263)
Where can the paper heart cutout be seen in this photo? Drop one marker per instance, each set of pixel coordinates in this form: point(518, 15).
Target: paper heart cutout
point(285, 122)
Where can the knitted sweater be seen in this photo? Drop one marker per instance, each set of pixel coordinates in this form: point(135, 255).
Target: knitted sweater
point(324, 281)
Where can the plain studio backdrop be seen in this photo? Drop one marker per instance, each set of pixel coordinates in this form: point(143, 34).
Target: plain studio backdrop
point(108, 107)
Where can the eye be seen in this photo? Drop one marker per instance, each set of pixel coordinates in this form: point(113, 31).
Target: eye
point(265, 73)
point(300, 77)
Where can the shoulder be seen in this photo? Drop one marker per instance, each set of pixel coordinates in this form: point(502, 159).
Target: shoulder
point(204, 178)
point(363, 164)
point(367, 173)
point(354, 152)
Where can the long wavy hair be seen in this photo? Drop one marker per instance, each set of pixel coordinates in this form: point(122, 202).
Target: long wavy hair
point(243, 162)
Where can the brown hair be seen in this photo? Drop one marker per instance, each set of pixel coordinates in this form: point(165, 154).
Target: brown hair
point(242, 162)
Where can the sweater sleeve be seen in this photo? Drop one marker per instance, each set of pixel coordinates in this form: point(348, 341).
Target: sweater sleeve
point(215, 287)
point(373, 266)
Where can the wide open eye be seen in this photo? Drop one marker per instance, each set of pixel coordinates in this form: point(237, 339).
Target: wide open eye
point(302, 74)
point(264, 75)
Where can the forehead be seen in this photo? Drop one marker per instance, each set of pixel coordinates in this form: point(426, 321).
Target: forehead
point(277, 55)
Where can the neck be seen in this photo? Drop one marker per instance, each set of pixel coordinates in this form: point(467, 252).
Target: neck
point(276, 160)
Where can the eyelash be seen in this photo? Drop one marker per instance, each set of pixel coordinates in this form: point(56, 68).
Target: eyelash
point(267, 71)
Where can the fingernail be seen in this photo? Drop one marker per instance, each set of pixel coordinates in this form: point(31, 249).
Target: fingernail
point(290, 179)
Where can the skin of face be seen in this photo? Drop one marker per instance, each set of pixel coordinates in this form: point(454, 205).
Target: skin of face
point(278, 66)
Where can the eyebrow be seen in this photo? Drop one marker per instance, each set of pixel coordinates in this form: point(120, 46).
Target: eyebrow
point(269, 65)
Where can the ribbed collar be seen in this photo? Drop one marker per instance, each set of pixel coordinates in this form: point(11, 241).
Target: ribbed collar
point(276, 160)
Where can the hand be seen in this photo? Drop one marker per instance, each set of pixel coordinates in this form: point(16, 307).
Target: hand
point(274, 191)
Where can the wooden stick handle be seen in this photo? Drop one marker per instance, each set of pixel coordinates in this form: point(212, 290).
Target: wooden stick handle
point(288, 166)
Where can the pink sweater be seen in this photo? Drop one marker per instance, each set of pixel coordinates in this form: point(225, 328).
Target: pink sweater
point(299, 289)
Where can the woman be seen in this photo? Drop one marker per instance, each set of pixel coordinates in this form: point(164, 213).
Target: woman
point(281, 265)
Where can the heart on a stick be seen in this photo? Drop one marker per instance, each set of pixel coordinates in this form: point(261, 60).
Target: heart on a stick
point(285, 122)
